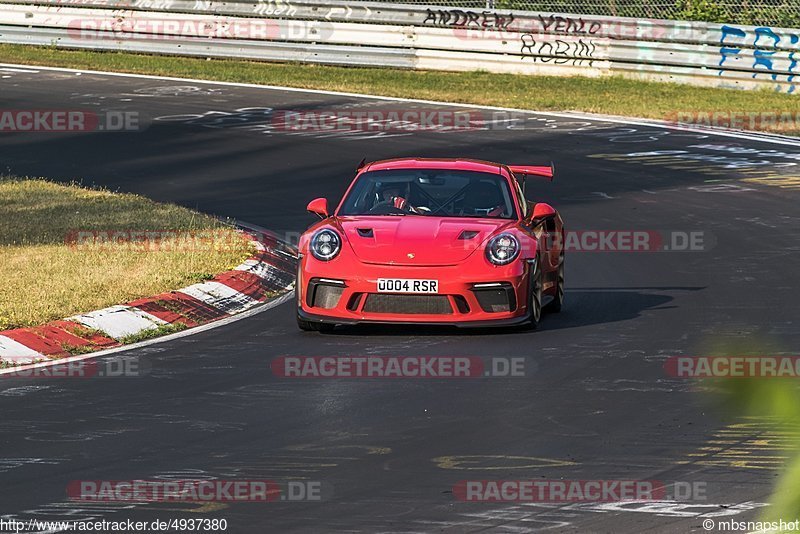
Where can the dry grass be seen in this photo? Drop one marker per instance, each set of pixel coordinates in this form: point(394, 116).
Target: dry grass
point(49, 275)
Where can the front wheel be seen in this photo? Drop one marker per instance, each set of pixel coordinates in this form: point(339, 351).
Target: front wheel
point(535, 297)
point(558, 300)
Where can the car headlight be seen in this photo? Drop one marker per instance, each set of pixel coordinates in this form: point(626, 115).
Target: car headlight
point(502, 249)
point(325, 244)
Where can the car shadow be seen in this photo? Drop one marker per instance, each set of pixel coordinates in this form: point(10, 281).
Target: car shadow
point(583, 307)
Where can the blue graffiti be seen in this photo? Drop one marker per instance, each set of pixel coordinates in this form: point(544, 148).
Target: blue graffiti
point(767, 32)
point(730, 30)
point(794, 39)
point(726, 52)
point(761, 57)
point(763, 60)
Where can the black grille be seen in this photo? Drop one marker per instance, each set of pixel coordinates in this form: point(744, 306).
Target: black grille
point(408, 304)
point(326, 297)
point(461, 304)
point(496, 300)
point(355, 300)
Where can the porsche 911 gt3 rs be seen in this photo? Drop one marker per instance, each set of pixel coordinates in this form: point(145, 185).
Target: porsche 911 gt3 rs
point(432, 241)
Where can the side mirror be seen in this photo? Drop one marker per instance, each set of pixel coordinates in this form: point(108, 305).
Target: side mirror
point(542, 211)
point(319, 206)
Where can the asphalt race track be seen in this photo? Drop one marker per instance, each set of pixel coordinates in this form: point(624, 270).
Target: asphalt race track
point(595, 404)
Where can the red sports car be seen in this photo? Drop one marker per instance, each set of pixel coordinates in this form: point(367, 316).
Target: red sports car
point(432, 241)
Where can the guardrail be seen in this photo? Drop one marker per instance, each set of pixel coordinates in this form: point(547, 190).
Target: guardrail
point(417, 37)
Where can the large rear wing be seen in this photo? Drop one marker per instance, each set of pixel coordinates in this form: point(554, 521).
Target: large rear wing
point(523, 171)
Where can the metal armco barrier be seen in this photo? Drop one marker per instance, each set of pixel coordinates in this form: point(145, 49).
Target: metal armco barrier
point(417, 37)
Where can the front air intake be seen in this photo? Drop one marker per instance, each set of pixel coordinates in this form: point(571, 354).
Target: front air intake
point(408, 304)
point(325, 295)
point(496, 299)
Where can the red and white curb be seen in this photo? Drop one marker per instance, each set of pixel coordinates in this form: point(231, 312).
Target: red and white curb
point(267, 275)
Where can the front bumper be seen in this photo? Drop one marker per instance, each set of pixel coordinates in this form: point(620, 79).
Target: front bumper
point(349, 293)
point(514, 321)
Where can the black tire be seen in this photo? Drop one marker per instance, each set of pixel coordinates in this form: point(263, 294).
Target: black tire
point(555, 305)
point(535, 296)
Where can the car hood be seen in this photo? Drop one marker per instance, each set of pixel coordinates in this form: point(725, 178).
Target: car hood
point(417, 240)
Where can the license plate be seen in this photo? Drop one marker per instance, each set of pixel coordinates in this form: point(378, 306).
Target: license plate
point(407, 285)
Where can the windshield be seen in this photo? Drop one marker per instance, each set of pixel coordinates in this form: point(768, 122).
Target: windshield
point(426, 192)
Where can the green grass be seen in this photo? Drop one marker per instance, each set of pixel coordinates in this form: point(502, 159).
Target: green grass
point(161, 330)
point(613, 95)
point(77, 350)
point(47, 275)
